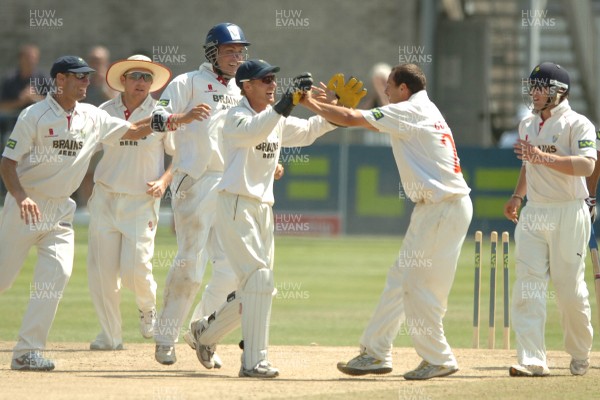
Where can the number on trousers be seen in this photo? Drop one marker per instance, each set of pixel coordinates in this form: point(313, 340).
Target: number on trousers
point(455, 154)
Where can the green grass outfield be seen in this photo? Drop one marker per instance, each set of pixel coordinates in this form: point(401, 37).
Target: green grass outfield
point(328, 288)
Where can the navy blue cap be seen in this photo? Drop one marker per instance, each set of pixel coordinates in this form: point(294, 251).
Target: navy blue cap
point(69, 64)
point(253, 69)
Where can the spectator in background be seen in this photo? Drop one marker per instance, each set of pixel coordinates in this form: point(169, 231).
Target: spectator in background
point(376, 97)
point(98, 92)
point(25, 84)
point(20, 88)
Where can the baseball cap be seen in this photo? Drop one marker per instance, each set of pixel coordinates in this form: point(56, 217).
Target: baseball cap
point(160, 73)
point(69, 64)
point(550, 74)
point(253, 69)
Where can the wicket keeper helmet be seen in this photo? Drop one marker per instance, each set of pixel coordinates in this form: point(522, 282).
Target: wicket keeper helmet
point(219, 34)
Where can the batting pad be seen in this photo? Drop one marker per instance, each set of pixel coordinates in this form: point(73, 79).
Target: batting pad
point(221, 322)
point(256, 314)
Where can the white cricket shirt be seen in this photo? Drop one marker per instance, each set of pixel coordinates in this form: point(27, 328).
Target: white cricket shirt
point(565, 133)
point(53, 149)
point(128, 165)
point(198, 147)
point(251, 145)
point(423, 147)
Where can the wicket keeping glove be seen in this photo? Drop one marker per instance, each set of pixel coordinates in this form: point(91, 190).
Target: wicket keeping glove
point(591, 203)
point(159, 121)
point(350, 93)
point(292, 95)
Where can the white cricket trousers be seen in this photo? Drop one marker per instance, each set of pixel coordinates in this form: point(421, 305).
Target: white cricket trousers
point(550, 243)
point(194, 205)
point(246, 231)
point(418, 284)
point(54, 239)
point(120, 250)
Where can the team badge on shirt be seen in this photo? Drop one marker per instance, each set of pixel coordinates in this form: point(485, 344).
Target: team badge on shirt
point(377, 114)
point(585, 144)
point(11, 143)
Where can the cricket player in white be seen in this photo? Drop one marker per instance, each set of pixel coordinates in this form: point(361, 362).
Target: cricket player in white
point(43, 163)
point(253, 134)
point(558, 150)
point(197, 169)
point(417, 287)
point(129, 180)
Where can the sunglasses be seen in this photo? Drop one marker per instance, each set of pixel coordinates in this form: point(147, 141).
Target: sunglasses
point(136, 76)
point(267, 80)
point(79, 75)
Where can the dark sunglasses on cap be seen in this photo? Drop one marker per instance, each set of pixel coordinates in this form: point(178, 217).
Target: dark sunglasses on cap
point(267, 80)
point(79, 75)
point(136, 76)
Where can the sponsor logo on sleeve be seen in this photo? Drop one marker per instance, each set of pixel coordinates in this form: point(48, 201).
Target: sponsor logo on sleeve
point(11, 143)
point(377, 113)
point(587, 144)
point(598, 135)
point(163, 102)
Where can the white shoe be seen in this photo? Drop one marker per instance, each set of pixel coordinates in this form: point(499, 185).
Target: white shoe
point(189, 339)
point(99, 345)
point(32, 361)
point(262, 370)
point(427, 371)
point(364, 364)
point(147, 322)
point(579, 367)
point(528, 370)
point(204, 353)
point(165, 354)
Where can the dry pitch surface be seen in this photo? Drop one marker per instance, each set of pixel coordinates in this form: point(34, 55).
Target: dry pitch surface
point(306, 372)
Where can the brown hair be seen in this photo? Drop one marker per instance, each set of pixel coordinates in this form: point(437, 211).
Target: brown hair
point(411, 75)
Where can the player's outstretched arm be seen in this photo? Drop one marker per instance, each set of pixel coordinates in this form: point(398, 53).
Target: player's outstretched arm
point(162, 121)
point(30, 211)
point(337, 115)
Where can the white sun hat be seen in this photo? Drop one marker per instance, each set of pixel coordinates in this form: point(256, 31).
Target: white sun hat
point(160, 73)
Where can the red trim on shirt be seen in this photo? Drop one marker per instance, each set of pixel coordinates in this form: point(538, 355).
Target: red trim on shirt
point(222, 80)
point(68, 122)
point(127, 114)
